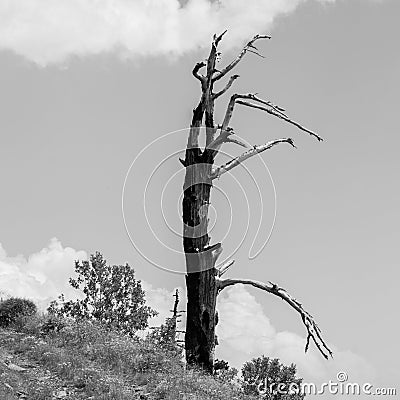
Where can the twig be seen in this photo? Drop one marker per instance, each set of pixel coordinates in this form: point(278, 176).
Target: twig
point(236, 61)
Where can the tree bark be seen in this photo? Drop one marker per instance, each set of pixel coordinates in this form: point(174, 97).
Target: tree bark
point(200, 258)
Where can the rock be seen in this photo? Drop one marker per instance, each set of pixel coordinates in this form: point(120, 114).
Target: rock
point(61, 394)
point(8, 386)
point(22, 395)
point(80, 384)
point(15, 367)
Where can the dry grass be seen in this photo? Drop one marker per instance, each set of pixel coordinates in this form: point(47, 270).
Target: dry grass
point(87, 361)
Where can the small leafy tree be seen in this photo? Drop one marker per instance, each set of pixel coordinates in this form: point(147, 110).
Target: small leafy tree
point(269, 377)
point(112, 296)
point(165, 334)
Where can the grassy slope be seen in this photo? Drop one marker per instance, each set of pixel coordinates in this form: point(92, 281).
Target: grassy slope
point(82, 361)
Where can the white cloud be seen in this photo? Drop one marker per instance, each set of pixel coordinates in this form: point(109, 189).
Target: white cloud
point(42, 276)
point(48, 31)
point(162, 301)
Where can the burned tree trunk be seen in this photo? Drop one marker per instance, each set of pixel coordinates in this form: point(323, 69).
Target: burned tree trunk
point(203, 278)
point(200, 257)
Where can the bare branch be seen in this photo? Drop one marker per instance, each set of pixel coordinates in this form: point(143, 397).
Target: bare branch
point(236, 61)
point(196, 70)
point(268, 103)
point(228, 85)
point(231, 106)
point(256, 53)
point(236, 141)
point(217, 172)
point(225, 137)
point(229, 110)
point(218, 38)
point(313, 330)
point(225, 267)
point(226, 131)
point(176, 303)
point(215, 253)
point(271, 108)
point(280, 115)
point(222, 138)
point(211, 61)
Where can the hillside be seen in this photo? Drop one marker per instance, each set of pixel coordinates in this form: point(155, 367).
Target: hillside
point(84, 361)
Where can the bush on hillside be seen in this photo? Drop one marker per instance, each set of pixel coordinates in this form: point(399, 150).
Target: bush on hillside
point(269, 378)
point(224, 372)
point(14, 308)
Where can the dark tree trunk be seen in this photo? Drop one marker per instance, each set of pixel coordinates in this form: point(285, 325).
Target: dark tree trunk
point(200, 258)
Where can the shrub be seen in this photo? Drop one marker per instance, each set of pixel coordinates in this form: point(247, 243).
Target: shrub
point(14, 308)
point(113, 296)
point(52, 324)
point(224, 372)
point(270, 378)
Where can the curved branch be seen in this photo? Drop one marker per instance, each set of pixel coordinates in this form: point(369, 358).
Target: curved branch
point(196, 70)
point(248, 47)
point(280, 115)
point(217, 172)
point(313, 331)
point(236, 141)
point(228, 85)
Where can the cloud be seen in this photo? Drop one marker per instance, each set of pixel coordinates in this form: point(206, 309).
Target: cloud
point(245, 332)
point(42, 276)
point(48, 32)
point(162, 300)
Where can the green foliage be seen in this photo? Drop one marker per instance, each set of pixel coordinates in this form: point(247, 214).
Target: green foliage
point(51, 324)
point(11, 310)
point(112, 296)
point(268, 376)
point(164, 335)
point(223, 371)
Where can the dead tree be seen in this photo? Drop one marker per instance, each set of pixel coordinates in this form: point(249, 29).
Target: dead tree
point(203, 279)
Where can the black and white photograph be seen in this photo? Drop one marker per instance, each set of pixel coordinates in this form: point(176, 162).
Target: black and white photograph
point(200, 199)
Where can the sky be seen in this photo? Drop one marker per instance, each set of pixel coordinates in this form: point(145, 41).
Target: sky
point(95, 100)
